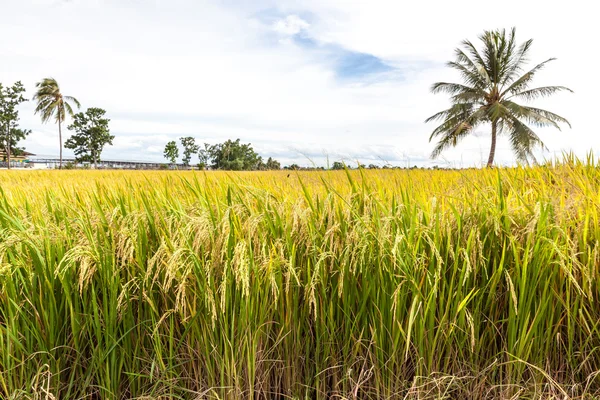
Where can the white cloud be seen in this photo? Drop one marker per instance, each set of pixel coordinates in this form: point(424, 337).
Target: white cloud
point(164, 69)
point(290, 25)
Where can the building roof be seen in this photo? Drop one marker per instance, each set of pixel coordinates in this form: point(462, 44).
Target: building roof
point(21, 154)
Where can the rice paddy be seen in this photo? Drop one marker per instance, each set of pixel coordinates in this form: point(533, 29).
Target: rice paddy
point(399, 284)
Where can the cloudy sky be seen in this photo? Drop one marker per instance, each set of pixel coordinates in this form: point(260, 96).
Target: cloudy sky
point(304, 81)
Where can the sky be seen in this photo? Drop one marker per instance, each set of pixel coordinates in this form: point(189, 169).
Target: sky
point(307, 82)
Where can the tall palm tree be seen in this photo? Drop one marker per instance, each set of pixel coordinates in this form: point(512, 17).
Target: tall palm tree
point(52, 103)
point(494, 79)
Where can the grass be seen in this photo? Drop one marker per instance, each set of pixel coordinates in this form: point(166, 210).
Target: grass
point(343, 285)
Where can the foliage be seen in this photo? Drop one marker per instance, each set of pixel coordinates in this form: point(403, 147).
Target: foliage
point(494, 80)
point(10, 135)
point(229, 155)
point(51, 103)
point(270, 165)
point(91, 135)
point(189, 148)
point(16, 135)
point(389, 284)
point(234, 156)
point(204, 155)
point(171, 152)
point(337, 165)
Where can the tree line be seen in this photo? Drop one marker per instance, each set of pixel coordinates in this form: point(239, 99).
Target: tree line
point(231, 155)
point(90, 128)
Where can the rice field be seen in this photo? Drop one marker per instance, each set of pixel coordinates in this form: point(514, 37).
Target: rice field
point(385, 284)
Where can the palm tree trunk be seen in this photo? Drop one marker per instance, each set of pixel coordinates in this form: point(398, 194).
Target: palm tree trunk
point(60, 142)
point(493, 149)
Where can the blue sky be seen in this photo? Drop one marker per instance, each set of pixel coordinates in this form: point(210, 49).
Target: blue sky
point(304, 81)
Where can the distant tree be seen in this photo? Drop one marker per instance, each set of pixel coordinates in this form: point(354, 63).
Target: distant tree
point(189, 148)
point(204, 156)
point(15, 136)
point(234, 156)
point(493, 82)
point(272, 164)
point(91, 135)
point(52, 104)
point(373, 166)
point(10, 134)
point(293, 167)
point(171, 152)
point(337, 165)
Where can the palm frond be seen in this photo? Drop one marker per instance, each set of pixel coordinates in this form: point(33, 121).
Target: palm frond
point(544, 91)
point(455, 88)
point(477, 57)
point(507, 52)
point(490, 53)
point(549, 115)
point(495, 112)
point(69, 109)
point(51, 103)
point(455, 110)
point(455, 127)
point(523, 82)
point(477, 72)
point(72, 99)
point(516, 64)
point(523, 139)
point(46, 108)
point(536, 116)
point(472, 76)
point(452, 138)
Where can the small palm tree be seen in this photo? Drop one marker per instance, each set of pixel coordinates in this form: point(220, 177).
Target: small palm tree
point(493, 82)
point(52, 103)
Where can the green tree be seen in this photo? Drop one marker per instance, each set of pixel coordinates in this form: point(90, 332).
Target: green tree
point(91, 135)
point(15, 136)
point(51, 103)
point(171, 152)
point(204, 156)
point(494, 79)
point(189, 148)
point(10, 134)
point(234, 156)
point(337, 165)
point(272, 164)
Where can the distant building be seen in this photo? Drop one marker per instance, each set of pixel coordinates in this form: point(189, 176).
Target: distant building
point(22, 157)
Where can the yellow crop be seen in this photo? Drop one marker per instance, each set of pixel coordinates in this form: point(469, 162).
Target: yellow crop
point(259, 285)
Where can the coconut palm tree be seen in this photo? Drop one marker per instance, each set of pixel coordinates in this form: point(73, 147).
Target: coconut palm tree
point(493, 81)
point(51, 103)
